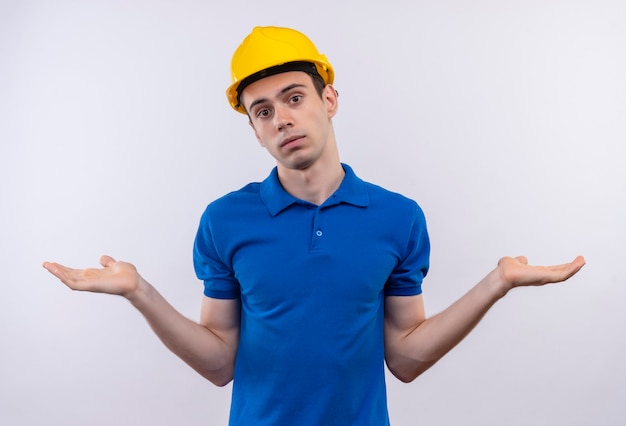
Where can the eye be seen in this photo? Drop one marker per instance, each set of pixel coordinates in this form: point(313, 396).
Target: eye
point(295, 99)
point(263, 113)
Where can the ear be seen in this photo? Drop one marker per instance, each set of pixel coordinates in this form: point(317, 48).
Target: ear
point(331, 100)
point(256, 134)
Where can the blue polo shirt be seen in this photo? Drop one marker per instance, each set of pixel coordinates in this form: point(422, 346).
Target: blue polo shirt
point(312, 281)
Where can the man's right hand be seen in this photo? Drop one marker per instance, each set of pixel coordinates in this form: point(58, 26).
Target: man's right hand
point(115, 277)
point(209, 346)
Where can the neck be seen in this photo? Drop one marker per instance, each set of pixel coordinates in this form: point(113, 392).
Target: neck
point(313, 184)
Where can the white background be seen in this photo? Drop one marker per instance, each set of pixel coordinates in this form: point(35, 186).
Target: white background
point(505, 120)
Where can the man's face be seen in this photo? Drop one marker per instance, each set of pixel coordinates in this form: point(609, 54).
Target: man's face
point(289, 117)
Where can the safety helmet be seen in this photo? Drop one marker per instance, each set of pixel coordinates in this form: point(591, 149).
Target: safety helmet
point(267, 48)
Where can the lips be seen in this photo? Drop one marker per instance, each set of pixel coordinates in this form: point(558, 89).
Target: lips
point(290, 139)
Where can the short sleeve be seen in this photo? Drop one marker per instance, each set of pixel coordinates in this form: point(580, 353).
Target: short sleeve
point(218, 276)
point(406, 279)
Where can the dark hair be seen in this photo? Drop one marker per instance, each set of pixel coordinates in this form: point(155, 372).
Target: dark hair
point(318, 83)
point(307, 67)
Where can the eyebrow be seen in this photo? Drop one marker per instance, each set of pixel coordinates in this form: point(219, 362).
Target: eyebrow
point(282, 92)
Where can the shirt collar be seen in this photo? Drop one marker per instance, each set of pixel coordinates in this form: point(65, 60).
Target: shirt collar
point(351, 191)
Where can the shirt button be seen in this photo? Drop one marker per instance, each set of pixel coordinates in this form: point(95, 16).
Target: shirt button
point(319, 232)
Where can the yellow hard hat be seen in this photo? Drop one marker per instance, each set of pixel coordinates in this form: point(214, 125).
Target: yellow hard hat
point(266, 48)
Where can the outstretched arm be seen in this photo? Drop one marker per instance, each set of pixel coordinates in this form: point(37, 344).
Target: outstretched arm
point(414, 343)
point(209, 346)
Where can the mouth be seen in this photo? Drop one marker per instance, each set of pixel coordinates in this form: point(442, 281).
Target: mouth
point(291, 139)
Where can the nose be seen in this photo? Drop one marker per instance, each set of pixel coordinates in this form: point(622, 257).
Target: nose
point(283, 118)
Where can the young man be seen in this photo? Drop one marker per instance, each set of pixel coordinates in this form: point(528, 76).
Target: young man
point(312, 277)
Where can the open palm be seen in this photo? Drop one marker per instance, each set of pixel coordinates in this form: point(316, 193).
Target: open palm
point(517, 272)
point(114, 277)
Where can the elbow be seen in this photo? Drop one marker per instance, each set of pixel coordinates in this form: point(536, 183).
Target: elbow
point(221, 382)
point(406, 378)
point(218, 378)
point(408, 370)
point(403, 376)
point(220, 375)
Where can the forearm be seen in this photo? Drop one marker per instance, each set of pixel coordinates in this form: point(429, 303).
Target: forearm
point(439, 334)
point(207, 351)
point(208, 347)
point(414, 350)
point(413, 343)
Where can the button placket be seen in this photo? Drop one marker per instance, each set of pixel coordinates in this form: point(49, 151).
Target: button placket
point(318, 230)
